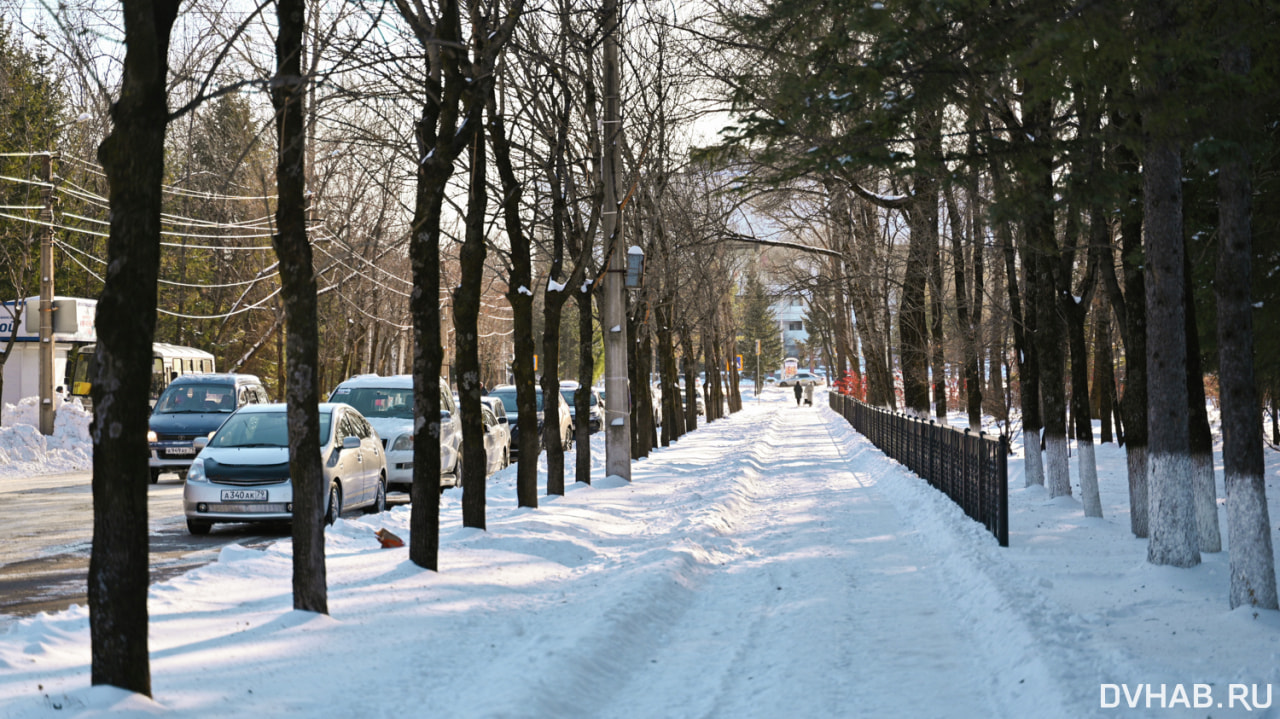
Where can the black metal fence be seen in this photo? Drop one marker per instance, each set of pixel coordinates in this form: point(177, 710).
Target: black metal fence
point(971, 469)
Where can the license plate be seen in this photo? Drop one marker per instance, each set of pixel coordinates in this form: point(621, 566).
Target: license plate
point(180, 450)
point(244, 495)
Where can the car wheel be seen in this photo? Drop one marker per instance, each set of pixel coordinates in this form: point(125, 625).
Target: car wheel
point(155, 475)
point(457, 470)
point(506, 458)
point(379, 502)
point(199, 527)
point(335, 504)
point(568, 443)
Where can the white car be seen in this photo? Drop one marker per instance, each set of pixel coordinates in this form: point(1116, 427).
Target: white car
point(387, 402)
point(242, 474)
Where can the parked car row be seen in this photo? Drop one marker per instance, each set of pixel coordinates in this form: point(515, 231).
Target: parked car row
point(222, 435)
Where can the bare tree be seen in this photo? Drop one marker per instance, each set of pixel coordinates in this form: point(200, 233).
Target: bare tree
point(133, 156)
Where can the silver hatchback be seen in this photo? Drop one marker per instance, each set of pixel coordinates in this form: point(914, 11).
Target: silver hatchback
point(242, 475)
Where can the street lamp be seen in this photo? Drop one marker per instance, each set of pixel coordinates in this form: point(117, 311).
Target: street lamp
point(635, 267)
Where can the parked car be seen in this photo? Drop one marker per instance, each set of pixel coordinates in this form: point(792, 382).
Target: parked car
point(195, 405)
point(507, 393)
point(697, 395)
point(804, 377)
point(595, 406)
point(387, 402)
point(242, 473)
point(499, 410)
point(497, 439)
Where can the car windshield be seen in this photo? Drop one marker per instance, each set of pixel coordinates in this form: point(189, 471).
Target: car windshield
point(261, 429)
point(192, 398)
point(508, 398)
point(569, 399)
point(378, 402)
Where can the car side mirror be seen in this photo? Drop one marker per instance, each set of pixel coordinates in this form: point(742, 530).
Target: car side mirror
point(199, 443)
point(502, 420)
point(351, 442)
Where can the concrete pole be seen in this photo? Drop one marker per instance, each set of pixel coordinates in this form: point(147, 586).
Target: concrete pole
point(46, 301)
point(617, 394)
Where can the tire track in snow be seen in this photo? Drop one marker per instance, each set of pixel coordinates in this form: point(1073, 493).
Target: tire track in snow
point(1035, 660)
point(830, 612)
point(621, 636)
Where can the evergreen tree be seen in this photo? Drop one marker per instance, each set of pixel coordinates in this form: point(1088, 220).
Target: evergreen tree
point(757, 322)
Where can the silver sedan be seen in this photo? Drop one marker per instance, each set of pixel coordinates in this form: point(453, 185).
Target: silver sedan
point(242, 475)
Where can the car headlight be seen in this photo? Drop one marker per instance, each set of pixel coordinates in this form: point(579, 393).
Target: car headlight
point(402, 443)
point(196, 472)
point(151, 436)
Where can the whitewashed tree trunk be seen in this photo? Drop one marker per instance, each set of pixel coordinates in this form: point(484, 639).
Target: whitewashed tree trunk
point(1206, 498)
point(1031, 459)
point(1174, 538)
point(1253, 568)
point(1059, 466)
point(1088, 470)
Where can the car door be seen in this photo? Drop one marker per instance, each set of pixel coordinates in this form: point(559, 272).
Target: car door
point(371, 453)
point(351, 463)
point(450, 435)
point(492, 452)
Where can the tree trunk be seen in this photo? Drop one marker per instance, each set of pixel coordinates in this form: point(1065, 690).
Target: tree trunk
point(913, 347)
point(1204, 486)
point(967, 340)
point(1024, 324)
point(1174, 539)
point(466, 318)
point(690, 380)
point(133, 157)
point(1130, 307)
point(1103, 365)
point(582, 405)
point(298, 290)
point(937, 353)
point(1253, 577)
point(1086, 460)
point(521, 299)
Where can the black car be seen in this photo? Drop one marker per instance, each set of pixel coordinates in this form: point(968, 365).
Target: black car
point(195, 405)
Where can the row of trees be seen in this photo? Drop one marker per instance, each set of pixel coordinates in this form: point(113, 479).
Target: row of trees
point(1047, 174)
point(410, 164)
point(969, 186)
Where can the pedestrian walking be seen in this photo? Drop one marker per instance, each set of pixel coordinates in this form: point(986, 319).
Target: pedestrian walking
point(808, 394)
point(799, 393)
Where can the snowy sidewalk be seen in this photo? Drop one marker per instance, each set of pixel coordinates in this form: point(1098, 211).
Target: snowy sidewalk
point(771, 564)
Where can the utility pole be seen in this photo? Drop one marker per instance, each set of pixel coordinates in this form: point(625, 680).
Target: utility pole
point(46, 299)
point(617, 395)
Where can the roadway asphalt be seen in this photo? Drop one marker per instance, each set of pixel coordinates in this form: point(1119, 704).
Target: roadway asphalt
point(46, 534)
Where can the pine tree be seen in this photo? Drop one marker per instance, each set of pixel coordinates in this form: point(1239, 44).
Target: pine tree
point(758, 323)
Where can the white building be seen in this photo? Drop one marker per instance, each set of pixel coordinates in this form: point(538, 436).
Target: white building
point(73, 326)
point(790, 311)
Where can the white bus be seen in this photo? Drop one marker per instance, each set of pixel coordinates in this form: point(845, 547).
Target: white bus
point(168, 362)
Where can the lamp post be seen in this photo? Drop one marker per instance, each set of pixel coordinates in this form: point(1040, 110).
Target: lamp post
point(617, 444)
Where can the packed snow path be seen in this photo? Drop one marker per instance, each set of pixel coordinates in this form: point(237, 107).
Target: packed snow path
point(771, 564)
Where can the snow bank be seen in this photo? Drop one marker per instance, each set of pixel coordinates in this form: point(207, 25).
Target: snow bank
point(25, 452)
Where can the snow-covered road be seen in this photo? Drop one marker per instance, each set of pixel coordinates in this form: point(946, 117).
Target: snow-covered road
point(771, 564)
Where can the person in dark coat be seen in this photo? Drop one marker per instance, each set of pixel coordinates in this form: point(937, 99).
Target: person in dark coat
point(799, 393)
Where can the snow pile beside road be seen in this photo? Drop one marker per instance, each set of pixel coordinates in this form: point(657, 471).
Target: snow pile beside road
point(25, 452)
